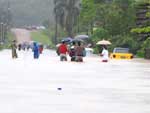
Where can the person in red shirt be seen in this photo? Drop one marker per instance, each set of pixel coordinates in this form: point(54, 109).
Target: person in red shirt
point(40, 48)
point(63, 51)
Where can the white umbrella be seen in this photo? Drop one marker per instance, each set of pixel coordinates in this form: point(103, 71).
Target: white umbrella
point(103, 42)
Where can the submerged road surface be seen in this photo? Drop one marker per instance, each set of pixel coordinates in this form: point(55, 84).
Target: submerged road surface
point(31, 86)
point(22, 35)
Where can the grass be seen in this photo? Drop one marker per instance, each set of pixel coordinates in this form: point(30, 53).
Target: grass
point(10, 36)
point(40, 36)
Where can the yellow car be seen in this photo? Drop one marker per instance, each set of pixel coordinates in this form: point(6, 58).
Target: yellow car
point(121, 53)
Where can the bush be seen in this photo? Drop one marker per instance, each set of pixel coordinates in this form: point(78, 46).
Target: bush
point(100, 34)
point(141, 30)
point(140, 54)
point(96, 50)
point(125, 41)
point(148, 14)
point(145, 45)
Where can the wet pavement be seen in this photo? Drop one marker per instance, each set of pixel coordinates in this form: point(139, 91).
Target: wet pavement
point(50, 86)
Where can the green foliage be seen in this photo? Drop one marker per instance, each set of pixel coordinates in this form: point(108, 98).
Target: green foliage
point(141, 30)
point(113, 21)
point(99, 1)
point(126, 41)
point(97, 49)
point(145, 45)
point(143, 1)
point(100, 34)
point(42, 37)
point(110, 16)
point(140, 53)
point(148, 14)
point(9, 37)
point(88, 11)
point(88, 14)
point(123, 4)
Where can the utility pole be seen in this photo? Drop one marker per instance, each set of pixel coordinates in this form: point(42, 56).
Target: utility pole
point(8, 15)
point(1, 33)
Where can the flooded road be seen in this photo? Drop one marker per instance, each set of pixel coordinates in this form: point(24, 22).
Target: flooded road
point(31, 86)
point(22, 35)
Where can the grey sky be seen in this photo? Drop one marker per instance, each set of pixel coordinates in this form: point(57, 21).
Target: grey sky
point(27, 12)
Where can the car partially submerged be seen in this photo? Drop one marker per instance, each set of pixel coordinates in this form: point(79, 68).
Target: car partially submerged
point(121, 53)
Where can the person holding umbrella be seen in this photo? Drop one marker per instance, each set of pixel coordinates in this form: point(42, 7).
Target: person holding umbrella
point(105, 54)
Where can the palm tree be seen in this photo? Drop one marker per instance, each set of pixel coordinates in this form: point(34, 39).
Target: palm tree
point(59, 15)
point(66, 14)
point(72, 16)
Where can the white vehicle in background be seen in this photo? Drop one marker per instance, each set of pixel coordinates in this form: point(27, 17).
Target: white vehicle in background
point(40, 28)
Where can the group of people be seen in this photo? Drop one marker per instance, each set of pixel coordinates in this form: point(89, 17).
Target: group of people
point(24, 46)
point(76, 51)
point(36, 48)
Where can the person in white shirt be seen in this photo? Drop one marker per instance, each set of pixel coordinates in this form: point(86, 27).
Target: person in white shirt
point(105, 54)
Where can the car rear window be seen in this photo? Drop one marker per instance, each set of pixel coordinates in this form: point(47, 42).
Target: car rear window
point(121, 50)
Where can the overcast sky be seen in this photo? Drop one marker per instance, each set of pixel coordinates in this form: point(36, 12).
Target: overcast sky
point(27, 12)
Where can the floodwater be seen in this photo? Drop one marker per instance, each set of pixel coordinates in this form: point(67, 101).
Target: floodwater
point(50, 86)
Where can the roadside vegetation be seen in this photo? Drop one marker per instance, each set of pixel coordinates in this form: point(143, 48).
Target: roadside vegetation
point(9, 37)
point(42, 36)
point(113, 20)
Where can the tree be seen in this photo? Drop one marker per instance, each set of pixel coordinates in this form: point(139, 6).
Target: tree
point(66, 13)
point(88, 14)
point(5, 21)
point(113, 20)
point(124, 4)
point(143, 25)
point(72, 16)
point(59, 15)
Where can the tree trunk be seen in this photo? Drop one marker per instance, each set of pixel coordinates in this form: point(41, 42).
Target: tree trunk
point(87, 32)
point(56, 31)
point(78, 24)
point(69, 26)
point(70, 34)
point(91, 27)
